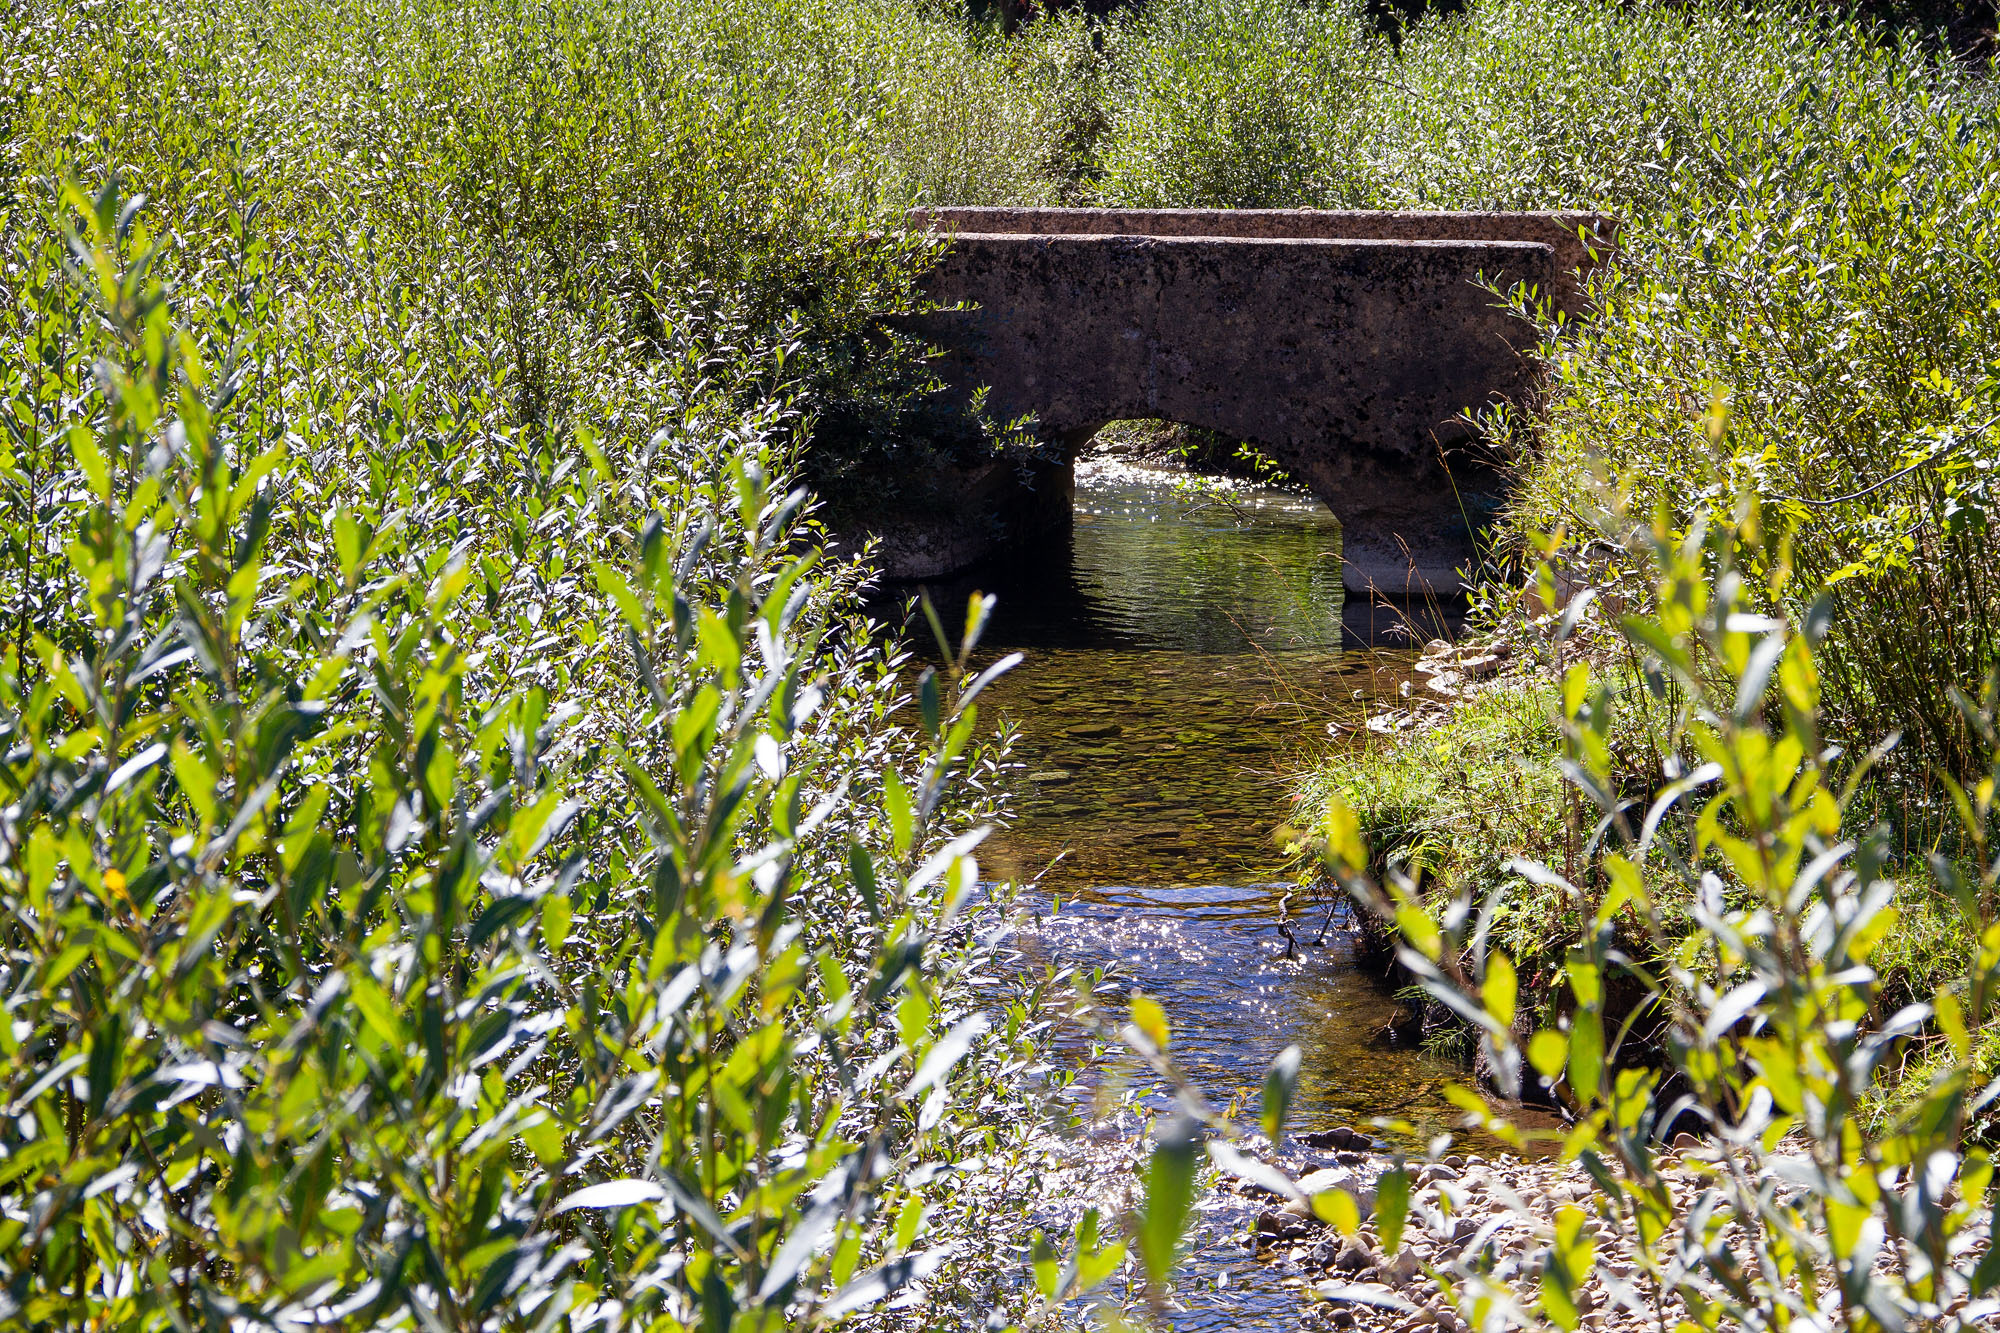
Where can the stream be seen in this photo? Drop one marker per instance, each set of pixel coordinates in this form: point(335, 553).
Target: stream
point(1180, 668)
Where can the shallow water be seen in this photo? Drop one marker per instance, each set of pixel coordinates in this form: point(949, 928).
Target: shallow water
point(1182, 664)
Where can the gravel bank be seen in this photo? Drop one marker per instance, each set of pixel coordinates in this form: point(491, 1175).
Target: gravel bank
point(1468, 1216)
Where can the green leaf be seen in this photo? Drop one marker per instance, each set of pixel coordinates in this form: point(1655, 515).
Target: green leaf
point(557, 912)
point(613, 1194)
point(1392, 1207)
point(1280, 1082)
point(1498, 990)
point(1338, 1208)
point(1569, 1268)
point(896, 804)
point(988, 676)
point(1584, 981)
point(509, 1269)
point(909, 1221)
point(1094, 1267)
point(90, 459)
point(1648, 634)
point(1419, 930)
point(862, 866)
point(1586, 1055)
point(1546, 1052)
point(1045, 1264)
point(1169, 1194)
point(500, 914)
point(546, 1139)
point(1150, 1020)
point(928, 702)
point(721, 648)
point(913, 1018)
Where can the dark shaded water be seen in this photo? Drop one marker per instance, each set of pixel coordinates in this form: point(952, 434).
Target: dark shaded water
point(1181, 666)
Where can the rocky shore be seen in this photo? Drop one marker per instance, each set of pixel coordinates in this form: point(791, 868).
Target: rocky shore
point(1459, 1207)
point(1468, 1215)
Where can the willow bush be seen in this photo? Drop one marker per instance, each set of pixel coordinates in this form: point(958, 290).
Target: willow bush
point(1832, 293)
point(1767, 1031)
point(464, 861)
point(440, 899)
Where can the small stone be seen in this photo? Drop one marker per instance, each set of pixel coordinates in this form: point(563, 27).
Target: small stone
point(1353, 1258)
point(1455, 1162)
point(1398, 1271)
point(1281, 1224)
point(1343, 1318)
point(1435, 1172)
point(1341, 1178)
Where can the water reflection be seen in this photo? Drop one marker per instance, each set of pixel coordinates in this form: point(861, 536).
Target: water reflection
point(1251, 572)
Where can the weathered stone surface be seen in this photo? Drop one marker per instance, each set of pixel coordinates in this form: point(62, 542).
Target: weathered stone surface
point(1580, 240)
point(1349, 360)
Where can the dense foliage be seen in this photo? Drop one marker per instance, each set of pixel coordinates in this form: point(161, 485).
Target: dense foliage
point(1766, 1032)
point(463, 862)
point(411, 920)
point(1809, 237)
point(1802, 310)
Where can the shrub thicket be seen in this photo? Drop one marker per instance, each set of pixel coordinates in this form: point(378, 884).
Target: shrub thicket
point(1809, 236)
point(460, 859)
point(462, 862)
point(1798, 1200)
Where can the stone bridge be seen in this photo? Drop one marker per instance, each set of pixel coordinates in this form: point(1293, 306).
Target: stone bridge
point(1348, 347)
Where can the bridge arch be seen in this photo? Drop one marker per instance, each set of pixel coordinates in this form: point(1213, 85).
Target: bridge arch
point(1348, 347)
